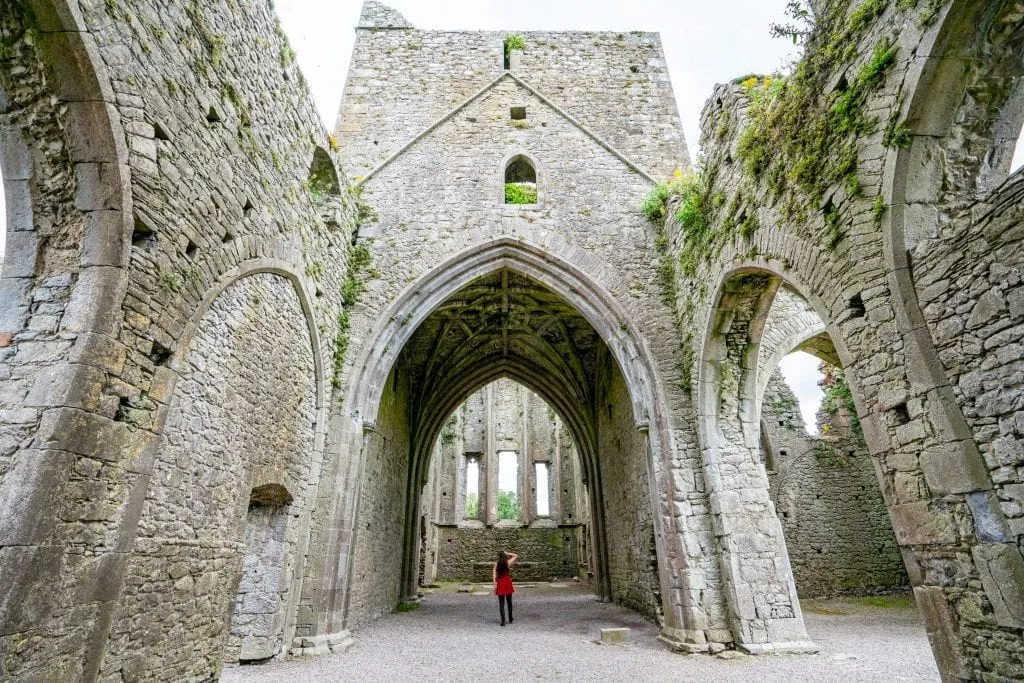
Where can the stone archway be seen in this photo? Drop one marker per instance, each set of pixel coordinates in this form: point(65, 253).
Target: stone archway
point(953, 243)
point(220, 443)
point(64, 169)
point(821, 477)
point(375, 371)
point(764, 612)
point(502, 324)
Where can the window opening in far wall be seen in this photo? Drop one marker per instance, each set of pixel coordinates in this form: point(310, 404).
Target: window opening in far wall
point(508, 485)
point(543, 509)
point(520, 182)
point(803, 374)
point(472, 487)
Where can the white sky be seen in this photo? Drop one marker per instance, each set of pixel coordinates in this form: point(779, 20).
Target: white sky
point(704, 42)
point(801, 373)
point(508, 471)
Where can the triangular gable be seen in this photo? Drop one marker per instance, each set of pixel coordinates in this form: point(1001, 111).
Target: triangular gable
point(604, 144)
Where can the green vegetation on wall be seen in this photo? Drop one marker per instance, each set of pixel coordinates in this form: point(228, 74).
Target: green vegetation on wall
point(513, 42)
point(352, 286)
point(803, 129)
point(518, 193)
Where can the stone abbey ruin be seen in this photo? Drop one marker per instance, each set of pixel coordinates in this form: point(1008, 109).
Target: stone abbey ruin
point(258, 378)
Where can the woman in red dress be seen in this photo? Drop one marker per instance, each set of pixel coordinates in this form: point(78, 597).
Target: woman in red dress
point(502, 578)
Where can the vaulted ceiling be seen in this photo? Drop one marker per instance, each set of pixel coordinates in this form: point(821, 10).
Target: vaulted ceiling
point(503, 324)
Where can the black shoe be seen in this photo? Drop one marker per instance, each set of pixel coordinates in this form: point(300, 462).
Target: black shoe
point(510, 620)
point(503, 623)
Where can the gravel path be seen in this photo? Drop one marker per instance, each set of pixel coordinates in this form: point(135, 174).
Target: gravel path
point(456, 637)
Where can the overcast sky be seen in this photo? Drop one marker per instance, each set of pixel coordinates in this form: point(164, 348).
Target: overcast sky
point(705, 42)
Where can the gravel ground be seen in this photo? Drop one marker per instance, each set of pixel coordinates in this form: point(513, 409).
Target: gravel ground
point(456, 637)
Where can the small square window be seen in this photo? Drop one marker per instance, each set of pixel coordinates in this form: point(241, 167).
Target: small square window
point(518, 113)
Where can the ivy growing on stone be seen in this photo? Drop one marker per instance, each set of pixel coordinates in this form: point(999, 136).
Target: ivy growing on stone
point(352, 287)
point(694, 211)
point(799, 137)
point(839, 397)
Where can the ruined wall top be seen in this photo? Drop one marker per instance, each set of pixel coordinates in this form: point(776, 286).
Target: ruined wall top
point(405, 83)
point(376, 15)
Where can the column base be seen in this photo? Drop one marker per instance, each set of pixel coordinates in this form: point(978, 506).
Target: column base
point(683, 641)
point(792, 647)
point(314, 646)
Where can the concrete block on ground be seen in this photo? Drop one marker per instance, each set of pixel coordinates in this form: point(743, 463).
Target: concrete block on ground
point(615, 636)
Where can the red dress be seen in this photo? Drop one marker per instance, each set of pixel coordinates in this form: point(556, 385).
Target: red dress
point(504, 586)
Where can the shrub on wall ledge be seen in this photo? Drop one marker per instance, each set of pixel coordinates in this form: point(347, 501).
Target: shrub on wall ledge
point(520, 193)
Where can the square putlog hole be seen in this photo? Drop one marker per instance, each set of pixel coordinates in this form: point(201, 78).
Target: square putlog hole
point(518, 113)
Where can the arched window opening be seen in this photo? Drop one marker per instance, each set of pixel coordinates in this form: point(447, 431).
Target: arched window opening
point(508, 486)
point(520, 182)
point(472, 510)
point(323, 178)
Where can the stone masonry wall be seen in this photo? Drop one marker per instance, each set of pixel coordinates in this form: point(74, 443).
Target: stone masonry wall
point(442, 197)
point(893, 228)
point(555, 550)
point(622, 459)
point(185, 134)
point(260, 609)
point(223, 438)
point(162, 155)
point(402, 80)
point(377, 564)
point(838, 534)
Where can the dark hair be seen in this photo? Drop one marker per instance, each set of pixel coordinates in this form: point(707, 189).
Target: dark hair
point(502, 562)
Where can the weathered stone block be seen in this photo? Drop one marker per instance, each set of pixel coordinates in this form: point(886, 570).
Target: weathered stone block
point(942, 632)
point(28, 574)
point(920, 523)
point(954, 467)
point(22, 251)
point(1002, 574)
point(615, 636)
point(32, 489)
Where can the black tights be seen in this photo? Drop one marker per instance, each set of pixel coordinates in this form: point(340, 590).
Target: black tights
point(502, 599)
